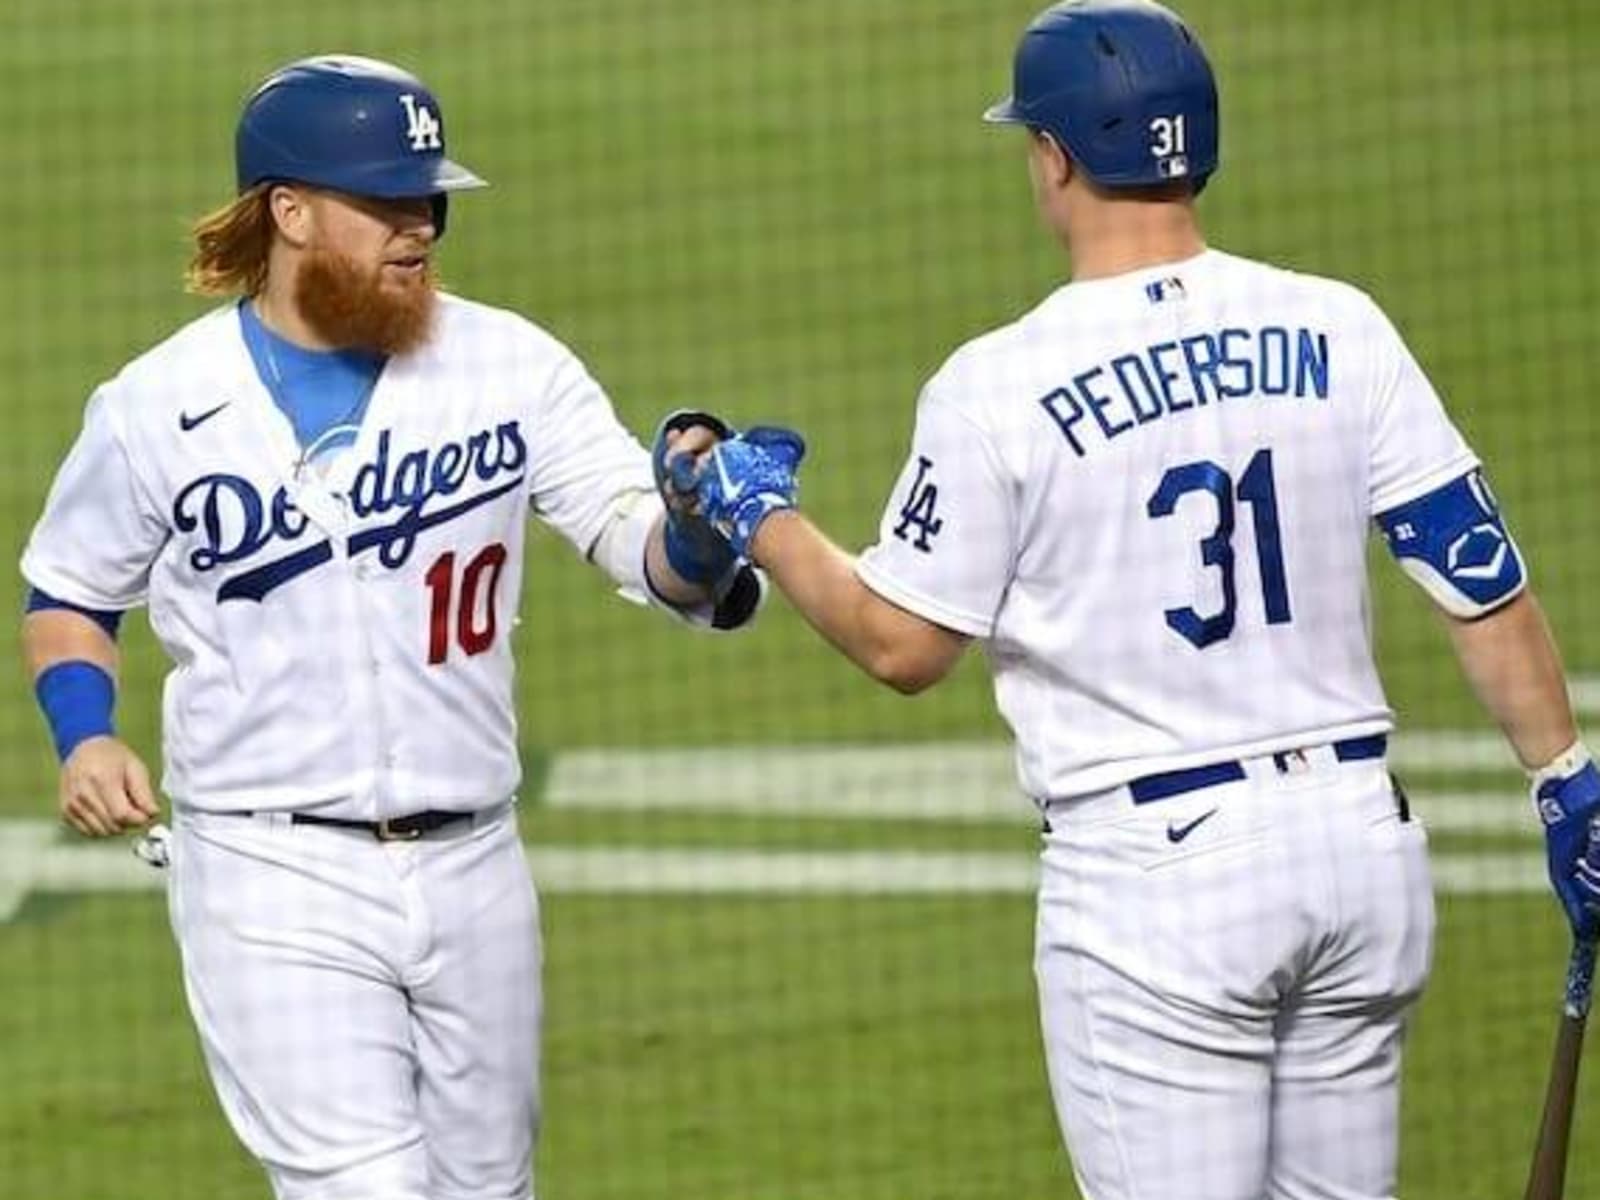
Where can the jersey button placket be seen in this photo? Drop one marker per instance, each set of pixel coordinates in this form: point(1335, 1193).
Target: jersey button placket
point(361, 577)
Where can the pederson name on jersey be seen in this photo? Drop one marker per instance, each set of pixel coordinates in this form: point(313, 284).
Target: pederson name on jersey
point(1134, 389)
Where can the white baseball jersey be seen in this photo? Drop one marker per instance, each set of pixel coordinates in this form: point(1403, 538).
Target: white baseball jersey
point(1151, 498)
point(340, 640)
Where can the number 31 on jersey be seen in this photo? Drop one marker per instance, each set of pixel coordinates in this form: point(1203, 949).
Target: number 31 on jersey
point(1255, 488)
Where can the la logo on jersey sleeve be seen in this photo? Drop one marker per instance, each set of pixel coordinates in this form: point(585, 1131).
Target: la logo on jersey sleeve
point(918, 512)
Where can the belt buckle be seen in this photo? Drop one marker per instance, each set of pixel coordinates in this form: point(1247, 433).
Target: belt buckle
point(385, 831)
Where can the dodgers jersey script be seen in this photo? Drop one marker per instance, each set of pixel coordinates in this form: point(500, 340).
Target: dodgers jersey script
point(1153, 487)
point(357, 591)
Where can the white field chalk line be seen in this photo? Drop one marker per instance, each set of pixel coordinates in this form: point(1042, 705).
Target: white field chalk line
point(962, 781)
point(1585, 691)
point(33, 860)
point(935, 781)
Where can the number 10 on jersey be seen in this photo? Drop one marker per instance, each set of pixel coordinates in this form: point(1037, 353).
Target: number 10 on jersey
point(474, 609)
point(1255, 488)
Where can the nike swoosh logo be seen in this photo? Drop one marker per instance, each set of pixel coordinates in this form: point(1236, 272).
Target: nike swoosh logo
point(729, 492)
point(1176, 833)
point(188, 423)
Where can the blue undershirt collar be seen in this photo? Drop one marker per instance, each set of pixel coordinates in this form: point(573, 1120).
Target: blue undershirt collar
point(324, 393)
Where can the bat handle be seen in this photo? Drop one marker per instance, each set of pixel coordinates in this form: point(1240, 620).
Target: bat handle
point(682, 473)
point(1580, 978)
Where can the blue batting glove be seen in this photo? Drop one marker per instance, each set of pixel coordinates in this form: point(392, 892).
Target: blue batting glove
point(784, 445)
point(744, 481)
point(1567, 795)
point(695, 551)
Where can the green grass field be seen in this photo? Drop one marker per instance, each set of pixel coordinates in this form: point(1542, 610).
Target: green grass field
point(792, 213)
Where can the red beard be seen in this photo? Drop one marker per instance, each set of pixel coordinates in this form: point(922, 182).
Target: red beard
point(353, 308)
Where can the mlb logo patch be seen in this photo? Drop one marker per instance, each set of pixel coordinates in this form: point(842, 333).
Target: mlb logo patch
point(1170, 288)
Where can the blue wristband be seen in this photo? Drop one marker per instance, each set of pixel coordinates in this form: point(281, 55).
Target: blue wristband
point(77, 698)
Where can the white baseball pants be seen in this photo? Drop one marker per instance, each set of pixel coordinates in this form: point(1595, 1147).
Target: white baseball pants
point(1223, 996)
point(369, 1010)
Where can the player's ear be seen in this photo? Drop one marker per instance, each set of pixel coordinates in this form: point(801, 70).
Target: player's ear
point(1051, 165)
point(1058, 163)
point(291, 213)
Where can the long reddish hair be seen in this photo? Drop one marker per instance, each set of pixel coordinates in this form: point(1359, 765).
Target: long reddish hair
point(231, 246)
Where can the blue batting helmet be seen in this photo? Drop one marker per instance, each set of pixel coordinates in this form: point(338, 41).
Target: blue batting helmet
point(353, 124)
point(1123, 86)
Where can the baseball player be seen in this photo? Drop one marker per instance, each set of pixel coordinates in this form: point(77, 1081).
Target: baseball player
point(320, 490)
point(1149, 499)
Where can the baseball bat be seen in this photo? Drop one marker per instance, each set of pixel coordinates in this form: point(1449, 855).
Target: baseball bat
point(682, 472)
point(1547, 1178)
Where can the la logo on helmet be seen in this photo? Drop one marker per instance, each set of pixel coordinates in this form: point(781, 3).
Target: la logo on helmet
point(422, 127)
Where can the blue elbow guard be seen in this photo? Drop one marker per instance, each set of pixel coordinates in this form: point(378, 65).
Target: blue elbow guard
point(1454, 543)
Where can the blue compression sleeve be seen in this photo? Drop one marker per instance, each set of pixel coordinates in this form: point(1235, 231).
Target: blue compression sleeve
point(107, 619)
point(77, 698)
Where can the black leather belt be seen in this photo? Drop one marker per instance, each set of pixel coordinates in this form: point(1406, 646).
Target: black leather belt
point(391, 829)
